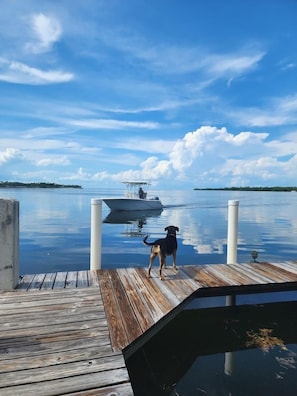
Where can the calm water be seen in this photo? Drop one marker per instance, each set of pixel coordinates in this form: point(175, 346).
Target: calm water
point(188, 357)
point(221, 351)
point(55, 228)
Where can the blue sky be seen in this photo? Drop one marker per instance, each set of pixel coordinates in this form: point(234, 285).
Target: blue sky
point(182, 93)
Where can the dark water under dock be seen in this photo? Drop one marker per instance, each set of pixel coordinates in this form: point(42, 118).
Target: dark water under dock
point(247, 350)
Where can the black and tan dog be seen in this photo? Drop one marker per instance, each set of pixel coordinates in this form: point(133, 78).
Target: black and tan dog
point(162, 248)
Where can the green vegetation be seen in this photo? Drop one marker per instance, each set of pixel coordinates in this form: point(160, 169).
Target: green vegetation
point(6, 184)
point(250, 189)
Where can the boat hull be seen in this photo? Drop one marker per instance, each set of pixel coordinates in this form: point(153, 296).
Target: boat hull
point(132, 204)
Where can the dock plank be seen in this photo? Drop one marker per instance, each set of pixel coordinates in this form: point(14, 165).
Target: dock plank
point(71, 280)
point(60, 281)
point(49, 281)
point(288, 267)
point(115, 319)
point(25, 282)
point(135, 303)
point(78, 383)
point(82, 279)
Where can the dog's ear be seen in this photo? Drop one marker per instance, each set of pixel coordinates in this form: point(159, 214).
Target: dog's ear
point(166, 228)
point(177, 229)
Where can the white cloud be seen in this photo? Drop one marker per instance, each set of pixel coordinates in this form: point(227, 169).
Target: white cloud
point(112, 124)
point(213, 155)
point(10, 155)
point(53, 161)
point(171, 59)
point(46, 31)
point(278, 111)
point(230, 65)
point(19, 73)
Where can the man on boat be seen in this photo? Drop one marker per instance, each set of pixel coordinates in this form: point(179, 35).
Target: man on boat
point(141, 193)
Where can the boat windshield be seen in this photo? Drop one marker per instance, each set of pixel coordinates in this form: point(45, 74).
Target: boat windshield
point(134, 189)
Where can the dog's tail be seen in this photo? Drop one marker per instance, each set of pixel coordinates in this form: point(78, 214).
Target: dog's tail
point(145, 241)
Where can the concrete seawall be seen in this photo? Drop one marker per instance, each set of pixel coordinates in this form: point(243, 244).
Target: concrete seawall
point(9, 243)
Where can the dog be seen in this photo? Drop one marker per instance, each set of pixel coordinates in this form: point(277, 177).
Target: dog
point(162, 248)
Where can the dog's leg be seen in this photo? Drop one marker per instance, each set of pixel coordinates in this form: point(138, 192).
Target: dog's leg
point(165, 262)
point(162, 264)
point(174, 260)
point(152, 257)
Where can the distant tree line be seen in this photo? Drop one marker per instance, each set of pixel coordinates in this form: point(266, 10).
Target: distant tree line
point(277, 188)
point(7, 184)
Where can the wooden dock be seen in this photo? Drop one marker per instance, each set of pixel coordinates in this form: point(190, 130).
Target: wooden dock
point(64, 333)
point(56, 341)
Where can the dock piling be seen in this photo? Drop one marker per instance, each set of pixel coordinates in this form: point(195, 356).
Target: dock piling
point(232, 231)
point(232, 240)
point(96, 233)
point(9, 244)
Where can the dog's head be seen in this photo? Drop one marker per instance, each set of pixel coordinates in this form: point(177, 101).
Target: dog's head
point(171, 230)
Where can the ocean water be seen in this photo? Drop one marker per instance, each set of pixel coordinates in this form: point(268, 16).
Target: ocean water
point(55, 227)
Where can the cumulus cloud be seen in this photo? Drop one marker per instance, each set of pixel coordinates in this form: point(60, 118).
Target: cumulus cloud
point(206, 157)
point(207, 145)
point(10, 155)
point(212, 156)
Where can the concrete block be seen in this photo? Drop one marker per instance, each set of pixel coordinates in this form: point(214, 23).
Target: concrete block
point(9, 243)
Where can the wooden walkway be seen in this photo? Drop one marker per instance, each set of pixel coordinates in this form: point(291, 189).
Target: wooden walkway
point(56, 342)
point(64, 333)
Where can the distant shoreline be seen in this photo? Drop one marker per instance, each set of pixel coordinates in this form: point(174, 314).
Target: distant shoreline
point(279, 189)
point(7, 184)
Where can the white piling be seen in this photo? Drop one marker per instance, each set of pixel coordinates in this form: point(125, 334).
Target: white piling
point(96, 234)
point(232, 232)
point(231, 259)
point(9, 244)
point(232, 240)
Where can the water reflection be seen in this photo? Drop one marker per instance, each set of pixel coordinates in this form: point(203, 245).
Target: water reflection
point(187, 356)
point(55, 228)
point(134, 220)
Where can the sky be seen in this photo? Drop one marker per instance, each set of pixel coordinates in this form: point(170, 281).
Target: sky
point(184, 94)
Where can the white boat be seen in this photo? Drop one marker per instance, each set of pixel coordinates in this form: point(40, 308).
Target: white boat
point(134, 199)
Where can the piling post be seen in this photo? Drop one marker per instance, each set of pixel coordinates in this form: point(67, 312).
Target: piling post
point(96, 234)
point(231, 259)
point(9, 244)
point(232, 231)
point(232, 240)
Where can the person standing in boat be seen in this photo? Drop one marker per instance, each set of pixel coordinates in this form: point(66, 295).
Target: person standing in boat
point(141, 193)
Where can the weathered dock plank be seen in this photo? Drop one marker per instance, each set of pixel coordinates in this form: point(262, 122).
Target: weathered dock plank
point(123, 327)
point(82, 279)
point(49, 281)
point(82, 382)
point(55, 342)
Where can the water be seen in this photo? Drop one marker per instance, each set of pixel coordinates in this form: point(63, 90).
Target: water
point(247, 350)
point(55, 228)
point(188, 357)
